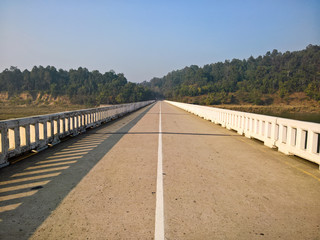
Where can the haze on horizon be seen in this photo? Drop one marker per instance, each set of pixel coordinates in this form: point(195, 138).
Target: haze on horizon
point(146, 39)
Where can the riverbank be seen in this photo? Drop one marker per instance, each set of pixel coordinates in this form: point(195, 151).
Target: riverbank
point(303, 112)
point(299, 112)
point(19, 111)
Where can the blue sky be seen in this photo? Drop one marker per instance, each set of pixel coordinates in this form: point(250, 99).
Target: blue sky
point(145, 39)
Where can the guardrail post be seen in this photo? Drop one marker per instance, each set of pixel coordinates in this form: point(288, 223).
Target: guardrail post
point(55, 125)
point(4, 147)
point(27, 128)
point(52, 129)
point(17, 138)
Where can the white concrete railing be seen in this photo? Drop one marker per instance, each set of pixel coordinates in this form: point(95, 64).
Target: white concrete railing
point(291, 137)
point(36, 133)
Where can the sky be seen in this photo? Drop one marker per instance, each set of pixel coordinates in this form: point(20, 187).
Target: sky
point(145, 39)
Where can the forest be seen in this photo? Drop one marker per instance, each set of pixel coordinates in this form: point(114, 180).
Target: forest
point(253, 80)
point(81, 85)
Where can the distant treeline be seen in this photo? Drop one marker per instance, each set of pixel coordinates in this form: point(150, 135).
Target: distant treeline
point(248, 80)
point(81, 85)
point(252, 80)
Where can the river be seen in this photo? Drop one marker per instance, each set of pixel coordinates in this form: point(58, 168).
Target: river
point(309, 117)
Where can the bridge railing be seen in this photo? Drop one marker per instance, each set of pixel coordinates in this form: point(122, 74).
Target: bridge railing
point(36, 133)
point(291, 137)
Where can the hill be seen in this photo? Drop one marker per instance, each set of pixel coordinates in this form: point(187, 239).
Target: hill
point(80, 86)
point(254, 80)
point(273, 78)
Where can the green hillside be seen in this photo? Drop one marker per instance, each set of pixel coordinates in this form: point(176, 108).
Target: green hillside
point(81, 85)
point(253, 80)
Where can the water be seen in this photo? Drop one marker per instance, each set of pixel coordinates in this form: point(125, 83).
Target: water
point(308, 117)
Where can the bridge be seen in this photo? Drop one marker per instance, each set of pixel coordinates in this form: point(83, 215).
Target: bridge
point(156, 170)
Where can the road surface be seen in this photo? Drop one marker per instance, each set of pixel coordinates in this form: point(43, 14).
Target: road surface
point(108, 184)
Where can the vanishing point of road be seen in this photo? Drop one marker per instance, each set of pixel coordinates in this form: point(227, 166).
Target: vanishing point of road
point(160, 173)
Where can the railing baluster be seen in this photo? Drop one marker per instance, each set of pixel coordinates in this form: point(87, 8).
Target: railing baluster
point(289, 136)
point(35, 133)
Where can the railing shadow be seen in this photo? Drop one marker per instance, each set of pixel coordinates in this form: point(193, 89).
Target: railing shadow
point(172, 133)
point(31, 189)
point(164, 113)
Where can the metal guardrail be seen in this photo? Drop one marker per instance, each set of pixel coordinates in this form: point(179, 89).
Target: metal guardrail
point(20, 135)
point(291, 137)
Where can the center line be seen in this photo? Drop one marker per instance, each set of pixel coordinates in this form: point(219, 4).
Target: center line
point(159, 223)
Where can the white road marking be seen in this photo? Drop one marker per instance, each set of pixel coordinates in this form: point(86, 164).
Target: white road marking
point(159, 222)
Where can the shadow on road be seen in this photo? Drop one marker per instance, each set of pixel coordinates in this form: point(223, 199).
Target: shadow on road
point(163, 113)
point(31, 189)
point(174, 133)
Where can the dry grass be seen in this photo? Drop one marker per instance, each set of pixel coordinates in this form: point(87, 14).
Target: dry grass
point(19, 111)
point(298, 112)
point(274, 108)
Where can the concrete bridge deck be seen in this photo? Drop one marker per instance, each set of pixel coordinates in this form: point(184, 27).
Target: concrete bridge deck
point(216, 185)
